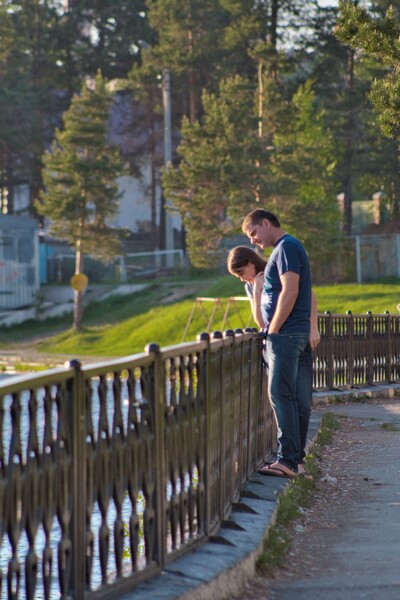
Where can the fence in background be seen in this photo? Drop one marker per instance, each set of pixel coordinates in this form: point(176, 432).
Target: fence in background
point(110, 471)
point(376, 256)
point(59, 267)
point(357, 350)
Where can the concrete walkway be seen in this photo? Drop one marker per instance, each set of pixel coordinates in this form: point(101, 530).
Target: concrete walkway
point(347, 547)
point(355, 559)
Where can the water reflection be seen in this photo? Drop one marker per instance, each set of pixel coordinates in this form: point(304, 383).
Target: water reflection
point(56, 533)
point(109, 399)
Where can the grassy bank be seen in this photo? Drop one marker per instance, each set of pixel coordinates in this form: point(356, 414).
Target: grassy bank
point(121, 326)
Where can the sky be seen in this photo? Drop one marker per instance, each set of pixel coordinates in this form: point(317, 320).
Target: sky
point(328, 2)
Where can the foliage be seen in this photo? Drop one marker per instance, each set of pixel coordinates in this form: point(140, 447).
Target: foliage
point(342, 78)
point(81, 193)
point(379, 38)
point(27, 106)
point(218, 178)
point(48, 47)
point(374, 35)
point(302, 168)
point(189, 35)
point(147, 130)
point(116, 28)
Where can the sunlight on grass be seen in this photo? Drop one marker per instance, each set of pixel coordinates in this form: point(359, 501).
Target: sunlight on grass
point(359, 298)
point(124, 326)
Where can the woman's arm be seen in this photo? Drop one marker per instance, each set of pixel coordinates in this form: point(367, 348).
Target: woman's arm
point(256, 301)
point(315, 337)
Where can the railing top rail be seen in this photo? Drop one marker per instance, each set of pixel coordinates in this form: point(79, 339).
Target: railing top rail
point(118, 364)
point(183, 348)
point(350, 316)
point(19, 383)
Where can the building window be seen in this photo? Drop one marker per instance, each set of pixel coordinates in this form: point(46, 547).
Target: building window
point(3, 200)
point(25, 250)
point(7, 248)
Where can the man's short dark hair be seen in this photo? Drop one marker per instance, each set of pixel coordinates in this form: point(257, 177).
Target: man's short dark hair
point(257, 216)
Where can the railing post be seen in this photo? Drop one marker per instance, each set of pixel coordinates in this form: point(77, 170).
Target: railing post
point(249, 343)
point(350, 352)
point(76, 415)
point(388, 347)
point(371, 348)
point(205, 368)
point(159, 385)
point(217, 335)
point(242, 433)
point(329, 332)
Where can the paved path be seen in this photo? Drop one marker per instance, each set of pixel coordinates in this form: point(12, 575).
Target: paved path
point(347, 545)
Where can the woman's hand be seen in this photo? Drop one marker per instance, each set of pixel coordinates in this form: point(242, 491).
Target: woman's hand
point(258, 285)
point(258, 282)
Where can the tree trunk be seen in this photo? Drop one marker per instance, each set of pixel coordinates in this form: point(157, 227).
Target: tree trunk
point(273, 38)
point(78, 296)
point(260, 119)
point(192, 98)
point(155, 232)
point(191, 83)
point(349, 149)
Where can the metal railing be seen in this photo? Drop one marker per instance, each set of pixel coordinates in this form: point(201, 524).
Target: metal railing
point(357, 350)
point(110, 471)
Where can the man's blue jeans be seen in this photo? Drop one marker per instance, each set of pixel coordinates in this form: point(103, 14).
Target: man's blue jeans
point(289, 364)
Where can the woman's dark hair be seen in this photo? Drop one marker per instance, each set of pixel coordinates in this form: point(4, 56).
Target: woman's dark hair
point(240, 256)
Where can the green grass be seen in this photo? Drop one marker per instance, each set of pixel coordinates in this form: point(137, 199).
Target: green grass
point(339, 298)
point(390, 427)
point(359, 298)
point(124, 325)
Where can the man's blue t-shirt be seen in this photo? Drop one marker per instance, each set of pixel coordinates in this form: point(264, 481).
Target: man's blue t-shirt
point(288, 255)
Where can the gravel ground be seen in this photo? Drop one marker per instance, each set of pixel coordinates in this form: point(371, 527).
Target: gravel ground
point(350, 482)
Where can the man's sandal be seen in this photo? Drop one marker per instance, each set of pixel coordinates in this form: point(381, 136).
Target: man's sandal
point(301, 469)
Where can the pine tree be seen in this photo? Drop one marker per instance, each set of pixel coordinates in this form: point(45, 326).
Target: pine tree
point(110, 34)
point(81, 194)
point(380, 167)
point(341, 80)
point(147, 126)
point(190, 34)
point(302, 168)
point(377, 37)
point(28, 70)
point(218, 178)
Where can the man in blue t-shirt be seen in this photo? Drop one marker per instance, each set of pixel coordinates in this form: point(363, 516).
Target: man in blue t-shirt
point(289, 312)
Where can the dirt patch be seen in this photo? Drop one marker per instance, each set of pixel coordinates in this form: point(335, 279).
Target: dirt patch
point(176, 294)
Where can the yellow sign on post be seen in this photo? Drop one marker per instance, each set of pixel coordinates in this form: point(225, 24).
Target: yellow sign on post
point(79, 282)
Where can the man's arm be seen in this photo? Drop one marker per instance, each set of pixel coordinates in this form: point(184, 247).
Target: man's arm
point(286, 300)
